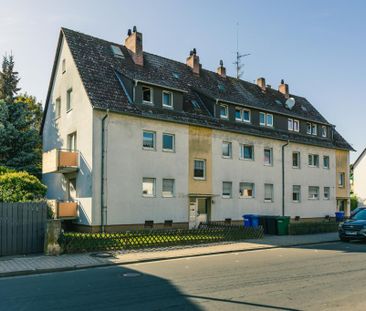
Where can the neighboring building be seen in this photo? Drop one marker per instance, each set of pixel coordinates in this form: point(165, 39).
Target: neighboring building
point(359, 177)
point(132, 139)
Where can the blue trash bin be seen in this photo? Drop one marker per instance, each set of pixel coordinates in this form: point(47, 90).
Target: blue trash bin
point(339, 216)
point(254, 221)
point(247, 220)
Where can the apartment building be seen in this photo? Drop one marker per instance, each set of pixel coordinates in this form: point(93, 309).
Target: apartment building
point(133, 140)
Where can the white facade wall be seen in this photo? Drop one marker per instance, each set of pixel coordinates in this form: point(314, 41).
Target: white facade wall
point(127, 163)
point(55, 132)
point(359, 180)
point(236, 170)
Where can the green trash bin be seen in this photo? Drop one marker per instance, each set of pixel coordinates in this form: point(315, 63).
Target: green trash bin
point(282, 225)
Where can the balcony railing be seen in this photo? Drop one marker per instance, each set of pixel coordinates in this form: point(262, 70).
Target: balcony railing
point(64, 209)
point(60, 161)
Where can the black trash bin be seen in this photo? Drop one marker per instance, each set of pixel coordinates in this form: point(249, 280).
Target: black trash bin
point(263, 223)
point(271, 222)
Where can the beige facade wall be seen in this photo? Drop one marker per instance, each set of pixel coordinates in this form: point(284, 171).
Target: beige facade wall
point(359, 180)
point(343, 164)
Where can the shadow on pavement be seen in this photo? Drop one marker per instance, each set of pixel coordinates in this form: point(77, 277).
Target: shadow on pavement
point(113, 288)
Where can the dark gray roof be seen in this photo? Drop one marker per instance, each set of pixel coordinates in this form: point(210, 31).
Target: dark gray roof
point(99, 70)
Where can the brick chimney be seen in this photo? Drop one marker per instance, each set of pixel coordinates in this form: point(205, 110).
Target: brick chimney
point(261, 82)
point(283, 88)
point(133, 43)
point(221, 71)
point(193, 61)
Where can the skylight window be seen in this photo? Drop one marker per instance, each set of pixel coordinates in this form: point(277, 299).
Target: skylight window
point(117, 52)
point(176, 75)
point(221, 87)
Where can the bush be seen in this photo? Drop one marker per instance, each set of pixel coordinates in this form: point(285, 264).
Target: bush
point(5, 170)
point(20, 187)
point(296, 228)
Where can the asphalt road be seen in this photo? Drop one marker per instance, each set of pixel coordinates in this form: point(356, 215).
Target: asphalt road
point(319, 277)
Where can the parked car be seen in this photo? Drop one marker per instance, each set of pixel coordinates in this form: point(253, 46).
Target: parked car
point(353, 228)
point(356, 210)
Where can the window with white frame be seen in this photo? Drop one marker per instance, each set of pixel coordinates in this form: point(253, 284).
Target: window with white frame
point(326, 193)
point(296, 125)
point(262, 118)
point(58, 107)
point(296, 159)
point(224, 111)
point(227, 188)
point(226, 149)
point(268, 192)
point(168, 188)
point(148, 140)
point(148, 187)
point(167, 99)
point(147, 96)
point(308, 128)
point(72, 142)
point(314, 129)
point(296, 193)
point(266, 119)
point(324, 131)
point(69, 100)
point(199, 169)
point(326, 162)
point(246, 115)
point(238, 114)
point(313, 193)
point(168, 142)
point(313, 160)
point(246, 190)
point(246, 152)
point(269, 119)
point(242, 115)
point(290, 124)
point(341, 180)
point(268, 156)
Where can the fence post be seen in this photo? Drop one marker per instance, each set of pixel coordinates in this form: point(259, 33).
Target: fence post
point(52, 234)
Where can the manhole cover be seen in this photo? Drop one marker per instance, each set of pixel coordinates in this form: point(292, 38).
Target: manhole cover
point(102, 255)
point(131, 275)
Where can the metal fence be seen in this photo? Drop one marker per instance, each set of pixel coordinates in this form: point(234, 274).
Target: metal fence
point(22, 228)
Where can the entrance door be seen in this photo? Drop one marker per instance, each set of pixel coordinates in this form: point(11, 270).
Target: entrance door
point(202, 210)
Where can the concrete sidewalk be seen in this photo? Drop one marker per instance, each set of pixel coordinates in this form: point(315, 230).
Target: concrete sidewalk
point(11, 266)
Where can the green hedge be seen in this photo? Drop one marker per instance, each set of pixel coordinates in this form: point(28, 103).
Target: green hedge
point(296, 228)
point(72, 242)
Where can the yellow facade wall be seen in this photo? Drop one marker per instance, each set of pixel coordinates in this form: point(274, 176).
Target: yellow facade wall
point(200, 148)
point(342, 166)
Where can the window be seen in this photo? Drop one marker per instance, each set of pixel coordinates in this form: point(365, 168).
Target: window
point(290, 123)
point(326, 162)
point(147, 95)
point(63, 66)
point(265, 119)
point(296, 159)
point(226, 149)
point(246, 152)
point(341, 180)
point(168, 142)
point(69, 100)
point(238, 114)
point(326, 193)
point(58, 108)
point(224, 111)
point(148, 140)
point(246, 115)
point(296, 125)
point(268, 156)
point(246, 190)
point(71, 142)
point(296, 193)
point(168, 188)
point(324, 131)
point(314, 130)
point(227, 188)
point(313, 160)
point(148, 187)
point(117, 52)
point(167, 99)
point(268, 192)
point(313, 193)
point(199, 169)
point(308, 128)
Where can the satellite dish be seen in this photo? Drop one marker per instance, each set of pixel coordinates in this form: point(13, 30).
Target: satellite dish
point(290, 103)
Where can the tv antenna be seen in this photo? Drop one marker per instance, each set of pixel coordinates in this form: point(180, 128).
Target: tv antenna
point(238, 62)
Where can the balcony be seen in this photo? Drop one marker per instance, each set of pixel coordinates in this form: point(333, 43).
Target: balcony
point(64, 209)
point(60, 161)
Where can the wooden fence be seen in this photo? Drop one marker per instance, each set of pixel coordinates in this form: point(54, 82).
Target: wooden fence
point(22, 228)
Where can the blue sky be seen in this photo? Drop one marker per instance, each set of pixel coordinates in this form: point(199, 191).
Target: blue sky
point(318, 47)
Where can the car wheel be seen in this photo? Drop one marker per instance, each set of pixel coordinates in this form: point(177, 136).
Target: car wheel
point(343, 239)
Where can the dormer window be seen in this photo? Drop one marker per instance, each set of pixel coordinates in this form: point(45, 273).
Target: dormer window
point(266, 119)
point(224, 111)
point(324, 131)
point(311, 129)
point(167, 99)
point(147, 95)
point(293, 125)
point(242, 115)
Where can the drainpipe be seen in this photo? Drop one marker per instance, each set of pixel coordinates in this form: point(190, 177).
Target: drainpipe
point(103, 208)
point(283, 177)
point(134, 91)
